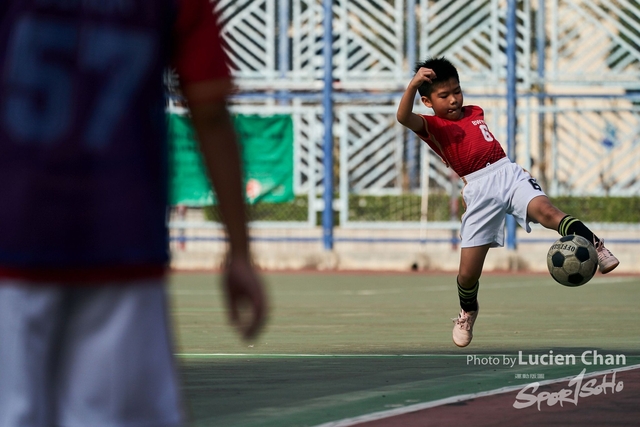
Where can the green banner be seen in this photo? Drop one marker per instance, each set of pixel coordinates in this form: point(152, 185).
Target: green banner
point(188, 181)
point(267, 156)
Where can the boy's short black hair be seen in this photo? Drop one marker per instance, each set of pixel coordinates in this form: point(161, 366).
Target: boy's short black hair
point(444, 70)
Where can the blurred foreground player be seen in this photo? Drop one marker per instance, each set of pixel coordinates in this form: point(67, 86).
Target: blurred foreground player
point(84, 336)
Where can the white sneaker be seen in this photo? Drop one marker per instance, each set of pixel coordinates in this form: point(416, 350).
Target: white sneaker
point(463, 327)
point(606, 260)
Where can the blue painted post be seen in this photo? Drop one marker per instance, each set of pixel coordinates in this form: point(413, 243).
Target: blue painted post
point(283, 45)
point(411, 35)
point(327, 105)
point(411, 59)
point(541, 41)
point(511, 106)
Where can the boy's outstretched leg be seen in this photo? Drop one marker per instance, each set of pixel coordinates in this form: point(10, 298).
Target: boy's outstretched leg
point(541, 210)
point(471, 262)
point(606, 260)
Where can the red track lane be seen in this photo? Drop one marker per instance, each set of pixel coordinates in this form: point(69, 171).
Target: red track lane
point(617, 409)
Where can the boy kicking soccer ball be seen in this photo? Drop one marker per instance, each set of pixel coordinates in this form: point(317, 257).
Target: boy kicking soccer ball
point(493, 185)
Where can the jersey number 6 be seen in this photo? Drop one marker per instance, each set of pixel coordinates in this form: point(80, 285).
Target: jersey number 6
point(485, 132)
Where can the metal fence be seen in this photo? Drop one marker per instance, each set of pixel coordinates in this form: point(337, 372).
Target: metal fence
point(578, 80)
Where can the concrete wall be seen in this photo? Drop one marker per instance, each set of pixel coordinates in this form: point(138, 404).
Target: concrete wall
point(379, 249)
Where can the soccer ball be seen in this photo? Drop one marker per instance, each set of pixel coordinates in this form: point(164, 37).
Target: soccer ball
point(572, 260)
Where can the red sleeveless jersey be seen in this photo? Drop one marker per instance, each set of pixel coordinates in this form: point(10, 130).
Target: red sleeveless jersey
point(83, 151)
point(465, 145)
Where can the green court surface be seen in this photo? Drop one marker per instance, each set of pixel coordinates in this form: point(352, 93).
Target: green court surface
point(342, 345)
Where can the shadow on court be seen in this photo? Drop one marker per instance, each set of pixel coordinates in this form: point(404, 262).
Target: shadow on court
point(307, 391)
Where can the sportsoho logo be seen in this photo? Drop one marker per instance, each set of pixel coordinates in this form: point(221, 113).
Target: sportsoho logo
point(578, 387)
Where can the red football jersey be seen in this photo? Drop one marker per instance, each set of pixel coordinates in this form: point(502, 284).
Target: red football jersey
point(465, 145)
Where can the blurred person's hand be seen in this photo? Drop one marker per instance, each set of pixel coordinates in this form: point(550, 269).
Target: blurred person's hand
point(246, 301)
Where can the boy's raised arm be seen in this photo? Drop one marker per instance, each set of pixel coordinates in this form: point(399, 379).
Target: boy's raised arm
point(405, 114)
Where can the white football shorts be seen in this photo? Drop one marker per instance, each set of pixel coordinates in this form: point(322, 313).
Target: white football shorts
point(490, 194)
point(95, 356)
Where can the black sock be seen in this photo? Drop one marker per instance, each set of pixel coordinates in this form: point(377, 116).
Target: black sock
point(570, 225)
point(468, 297)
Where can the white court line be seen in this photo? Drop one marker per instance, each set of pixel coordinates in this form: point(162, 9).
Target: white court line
point(454, 399)
point(259, 355)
